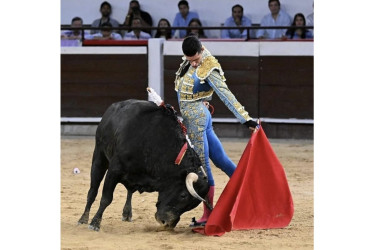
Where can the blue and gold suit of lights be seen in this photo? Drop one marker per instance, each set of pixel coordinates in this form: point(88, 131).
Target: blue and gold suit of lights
point(194, 87)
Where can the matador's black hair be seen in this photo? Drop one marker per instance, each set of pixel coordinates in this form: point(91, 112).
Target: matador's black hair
point(191, 45)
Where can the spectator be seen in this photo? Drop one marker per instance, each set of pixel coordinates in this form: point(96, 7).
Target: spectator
point(136, 33)
point(195, 22)
point(76, 22)
point(163, 32)
point(106, 11)
point(136, 11)
point(236, 19)
point(106, 33)
point(298, 33)
point(182, 19)
point(276, 17)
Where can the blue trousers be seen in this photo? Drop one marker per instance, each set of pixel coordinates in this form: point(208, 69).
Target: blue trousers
point(198, 121)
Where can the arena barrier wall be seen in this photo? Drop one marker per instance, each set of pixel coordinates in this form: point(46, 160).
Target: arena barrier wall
point(272, 79)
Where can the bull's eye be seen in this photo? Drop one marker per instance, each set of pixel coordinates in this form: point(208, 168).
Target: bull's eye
point(183, 195)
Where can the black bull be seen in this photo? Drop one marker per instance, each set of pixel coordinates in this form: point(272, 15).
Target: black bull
point(137, 143)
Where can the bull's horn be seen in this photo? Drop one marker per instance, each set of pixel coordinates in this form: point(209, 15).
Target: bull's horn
point(190, 179)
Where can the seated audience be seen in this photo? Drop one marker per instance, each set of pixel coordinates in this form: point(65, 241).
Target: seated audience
point(163, 33)
point(237, 19)
point(195, 22)
point(76, 22)
point(136, 11)
point(136, 33)
point(182, 19)
point(106, 33)
point(298, 33)
point(106, 11)
point(276, 17)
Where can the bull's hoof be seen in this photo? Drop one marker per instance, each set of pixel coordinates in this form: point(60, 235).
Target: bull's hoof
point(95, 228)
point(126, 218)
point(82, 222)
point(83, 219)
point(127, 214)
point(95, 224)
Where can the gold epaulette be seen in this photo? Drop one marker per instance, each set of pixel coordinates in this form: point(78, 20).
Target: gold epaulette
point(181, 66)
point(177, 78)
point(209, 64)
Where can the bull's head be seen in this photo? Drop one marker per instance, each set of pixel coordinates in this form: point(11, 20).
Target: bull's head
point(173, 201)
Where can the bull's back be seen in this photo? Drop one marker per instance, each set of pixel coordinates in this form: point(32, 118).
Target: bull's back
point(124, 121)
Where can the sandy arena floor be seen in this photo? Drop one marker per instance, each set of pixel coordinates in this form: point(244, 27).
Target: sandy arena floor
point(144, 232)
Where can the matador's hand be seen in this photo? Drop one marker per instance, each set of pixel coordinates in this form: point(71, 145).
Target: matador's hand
point(253, 125)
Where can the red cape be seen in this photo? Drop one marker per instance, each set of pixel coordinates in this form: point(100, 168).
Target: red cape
point(257, 195)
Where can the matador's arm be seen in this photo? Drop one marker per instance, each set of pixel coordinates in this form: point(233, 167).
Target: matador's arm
point(217, 82)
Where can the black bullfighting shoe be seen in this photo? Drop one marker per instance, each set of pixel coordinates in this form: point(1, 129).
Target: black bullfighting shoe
point(197, 224)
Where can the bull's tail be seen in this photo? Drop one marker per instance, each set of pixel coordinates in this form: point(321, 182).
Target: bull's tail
point(98, 170)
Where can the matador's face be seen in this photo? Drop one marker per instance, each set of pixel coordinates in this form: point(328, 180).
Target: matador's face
point(195, 60)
